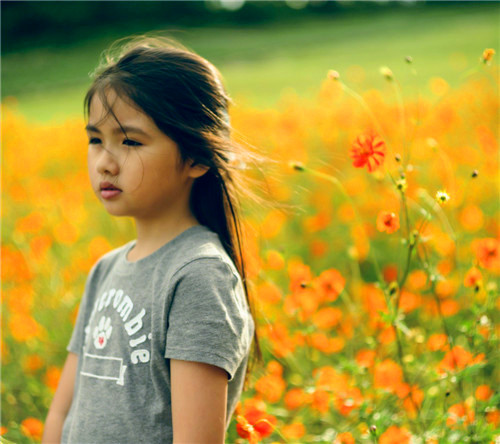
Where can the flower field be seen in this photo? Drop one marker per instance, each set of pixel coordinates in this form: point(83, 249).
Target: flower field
point(377, 297)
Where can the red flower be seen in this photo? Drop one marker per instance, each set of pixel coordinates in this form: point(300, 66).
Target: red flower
point(368, 149)
point(487, 252)
point(387, 221)
point(473, 277)
point(255, 424)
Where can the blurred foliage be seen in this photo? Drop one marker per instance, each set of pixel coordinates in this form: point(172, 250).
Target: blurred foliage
point(28, 24)
point(263, 63)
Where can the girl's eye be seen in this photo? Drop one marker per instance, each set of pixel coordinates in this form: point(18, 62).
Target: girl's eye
point(94, 141)
point(131, 142)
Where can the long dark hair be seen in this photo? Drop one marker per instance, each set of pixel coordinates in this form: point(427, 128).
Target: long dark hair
point(184, 95)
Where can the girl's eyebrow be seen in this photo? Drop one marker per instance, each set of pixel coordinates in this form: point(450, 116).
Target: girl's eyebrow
point(127, 128)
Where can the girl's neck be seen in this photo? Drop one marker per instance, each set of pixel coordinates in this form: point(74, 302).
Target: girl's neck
point(149, 238)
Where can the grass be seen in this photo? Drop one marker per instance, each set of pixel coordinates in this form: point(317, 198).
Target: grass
point(260, 64)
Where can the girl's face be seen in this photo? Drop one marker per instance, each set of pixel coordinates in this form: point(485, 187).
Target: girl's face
point(144, 166)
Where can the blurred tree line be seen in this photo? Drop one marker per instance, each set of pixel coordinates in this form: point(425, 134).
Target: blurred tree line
point(28, 24)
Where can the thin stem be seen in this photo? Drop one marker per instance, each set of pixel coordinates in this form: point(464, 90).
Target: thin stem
point(335, 181)
point(367, 109)
point(406, 159)
point(397, 89)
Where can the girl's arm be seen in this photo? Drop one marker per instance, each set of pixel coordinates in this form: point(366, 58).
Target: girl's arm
point(61, 402)
point(199, 398)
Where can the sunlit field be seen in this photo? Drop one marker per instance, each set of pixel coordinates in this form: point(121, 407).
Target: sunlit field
point(377, 295)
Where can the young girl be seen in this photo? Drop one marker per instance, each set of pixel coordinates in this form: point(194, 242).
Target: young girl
point(162, 340)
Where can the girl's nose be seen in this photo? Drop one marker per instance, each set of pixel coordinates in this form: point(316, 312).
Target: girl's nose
point(107, 163)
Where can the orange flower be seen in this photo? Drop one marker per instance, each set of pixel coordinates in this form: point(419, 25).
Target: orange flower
point(387, 335)
point(487, 252)
point(408, 301)
point(296, 398)
point(459, 414)
point(320, 401)
point(344, 438)
point(368, 149)
point(449, 307)
point(493, 417)
point(388, 375)
point(471, 218)
point(327, 317)
point(388, 222)
point(330, 283)
point(395, 435)
point(365, 358)
point(32, 428)
point(484, 392)
point(330, 379)
point(473, 277)
point(300, 275)
point(3, 430)
point(39, 246)
point(32, 223)
point(307, 300)
point(269, 293)
point(274, 368)
point(271, 387)
point(282, 343)
point(246, 430)
point(52, 378)
point(23, 327)
point(32, 363)
point(458, 358)
point(275, 260)
point(254, 424)
point(348, 399)
point(373, 301)
point(412, 397)
point(437, 341)
point(390, 272)
point(293, 431)
point(417, 279)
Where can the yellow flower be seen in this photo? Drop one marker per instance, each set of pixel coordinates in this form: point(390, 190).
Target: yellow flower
point(487, 55)
point(442, 197)
point(401, 184)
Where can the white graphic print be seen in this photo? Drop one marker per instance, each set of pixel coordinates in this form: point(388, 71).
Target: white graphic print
point(102, 332)
point(130, 337)
point(103, 367)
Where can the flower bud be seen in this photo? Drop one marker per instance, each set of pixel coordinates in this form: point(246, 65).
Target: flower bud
point(334, 75)
point(386, 72)
point(487, 55)
point(298, 166)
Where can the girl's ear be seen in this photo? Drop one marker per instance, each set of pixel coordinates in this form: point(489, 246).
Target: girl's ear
point(198, 169)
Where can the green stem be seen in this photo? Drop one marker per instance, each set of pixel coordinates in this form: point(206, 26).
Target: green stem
point(368, 110)
point(397, 89)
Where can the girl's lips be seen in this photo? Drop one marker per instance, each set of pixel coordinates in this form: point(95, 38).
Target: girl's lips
point(108, 194)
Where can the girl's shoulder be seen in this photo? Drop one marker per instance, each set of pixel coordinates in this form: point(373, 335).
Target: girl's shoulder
point(200, 243)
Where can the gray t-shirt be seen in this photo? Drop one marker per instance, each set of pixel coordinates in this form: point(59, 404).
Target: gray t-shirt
point(184, 301)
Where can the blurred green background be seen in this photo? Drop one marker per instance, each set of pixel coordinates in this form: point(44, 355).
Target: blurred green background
point(264, 49)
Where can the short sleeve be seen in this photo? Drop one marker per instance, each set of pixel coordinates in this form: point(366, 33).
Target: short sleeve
point(76, 342)
point(208, 320)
